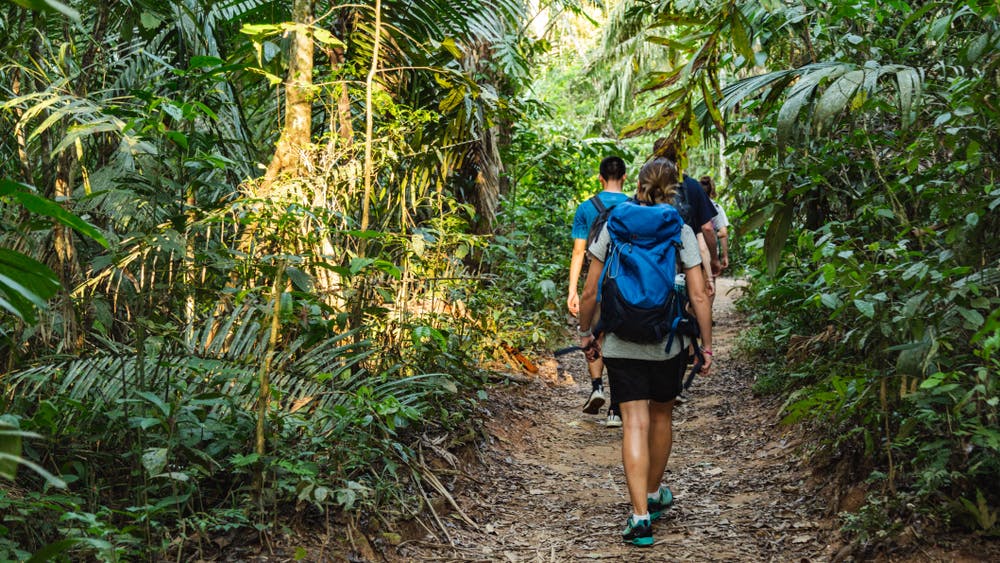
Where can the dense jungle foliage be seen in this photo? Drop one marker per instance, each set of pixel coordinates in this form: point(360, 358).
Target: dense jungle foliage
point(259, 260)
point(863, 141)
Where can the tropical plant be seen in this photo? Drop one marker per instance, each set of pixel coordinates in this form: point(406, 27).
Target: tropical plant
point(857, 132)
point(233, 327)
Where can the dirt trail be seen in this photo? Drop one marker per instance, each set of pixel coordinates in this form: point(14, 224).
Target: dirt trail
point(553, 488)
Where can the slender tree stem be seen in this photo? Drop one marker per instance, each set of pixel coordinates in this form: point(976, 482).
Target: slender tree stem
point(264, 395)
point(369, 119)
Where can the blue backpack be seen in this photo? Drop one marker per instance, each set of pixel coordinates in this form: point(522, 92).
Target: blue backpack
point(638, 300)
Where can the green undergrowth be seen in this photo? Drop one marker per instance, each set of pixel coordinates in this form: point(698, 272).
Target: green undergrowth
point(886, 346)
point(869, 230)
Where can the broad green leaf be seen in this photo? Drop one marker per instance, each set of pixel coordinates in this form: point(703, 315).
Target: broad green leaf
point(916, 270)
point(154, 460)
point(669, 42)
point(156, 401)
point(837, 97)
point(909, 82)
point(756, 219)
point(830, 300)
point(913, 305)
point(935, 380)
point(41, 206)
point(452, 47)
point(974, 319)
point(51, 551)
point(940, 27)
point(800, 96)
point(867, 308)
point(713, 110)
point(977, 47)
point(10, 444)
point(911, 357)
point(201, 61)
point(50, 6)
point(302, 280)
point(326, 38)
point(261, 29)
point(50, 479)
point(454, 98)
point(26, 283)
point(777, 233)
point(149, 20)
point(740, 38)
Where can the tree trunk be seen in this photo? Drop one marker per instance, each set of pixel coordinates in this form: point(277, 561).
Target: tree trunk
point(346, 120)
point(297, 131)
point(487, 169)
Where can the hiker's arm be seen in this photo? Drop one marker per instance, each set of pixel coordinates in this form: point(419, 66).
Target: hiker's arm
point(575, 266)
point(724, 242)
point(713, 251)
point(588, 303)
point(702, 310)
point(706, 265)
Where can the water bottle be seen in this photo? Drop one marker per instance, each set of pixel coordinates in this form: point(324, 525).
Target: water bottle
point(680, 284)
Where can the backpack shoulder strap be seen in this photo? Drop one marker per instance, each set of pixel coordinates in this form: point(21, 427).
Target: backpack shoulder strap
point(596, 200)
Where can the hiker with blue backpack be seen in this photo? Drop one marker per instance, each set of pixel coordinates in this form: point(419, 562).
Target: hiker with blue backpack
point(589, 218)
point(646, 329)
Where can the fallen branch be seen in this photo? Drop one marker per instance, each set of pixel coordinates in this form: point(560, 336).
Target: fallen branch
point(433, 480)
point(497, 376)
point(434, 513)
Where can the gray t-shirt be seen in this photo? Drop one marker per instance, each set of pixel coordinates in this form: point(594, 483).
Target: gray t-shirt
point(615, 347)
point(720, 220)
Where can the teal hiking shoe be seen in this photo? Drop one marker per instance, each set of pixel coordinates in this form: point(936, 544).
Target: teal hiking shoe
point(661, 504)
point(638, 533)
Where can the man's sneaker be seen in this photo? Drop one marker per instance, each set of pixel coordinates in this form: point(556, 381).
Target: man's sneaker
point(638, 533)
point(661, 504)
point(681, 397)
point(614, 421)
point(595, 402)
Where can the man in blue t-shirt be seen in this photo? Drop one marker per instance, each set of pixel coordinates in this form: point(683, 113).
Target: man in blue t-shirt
point(612, 177)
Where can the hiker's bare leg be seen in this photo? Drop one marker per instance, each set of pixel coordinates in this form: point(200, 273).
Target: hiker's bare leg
point(596, 368)
point(661, 439)
point(635, 451)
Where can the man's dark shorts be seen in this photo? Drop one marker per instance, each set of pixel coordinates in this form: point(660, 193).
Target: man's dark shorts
point(641, 380)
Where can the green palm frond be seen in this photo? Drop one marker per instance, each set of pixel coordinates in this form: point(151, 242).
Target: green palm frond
point(223, 356)
point(829, 88)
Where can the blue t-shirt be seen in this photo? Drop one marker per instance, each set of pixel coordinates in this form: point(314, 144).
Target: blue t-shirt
point(696, 209)
point(586, 212)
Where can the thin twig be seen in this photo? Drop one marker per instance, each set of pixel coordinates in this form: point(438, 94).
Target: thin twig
point(425, 527)
point(444, 492)
point(434, 513)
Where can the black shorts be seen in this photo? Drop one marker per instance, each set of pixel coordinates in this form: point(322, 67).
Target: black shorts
point(645, 380)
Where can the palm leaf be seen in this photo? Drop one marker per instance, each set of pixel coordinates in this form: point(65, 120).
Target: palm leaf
point(223, 356)
point(777, 234)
